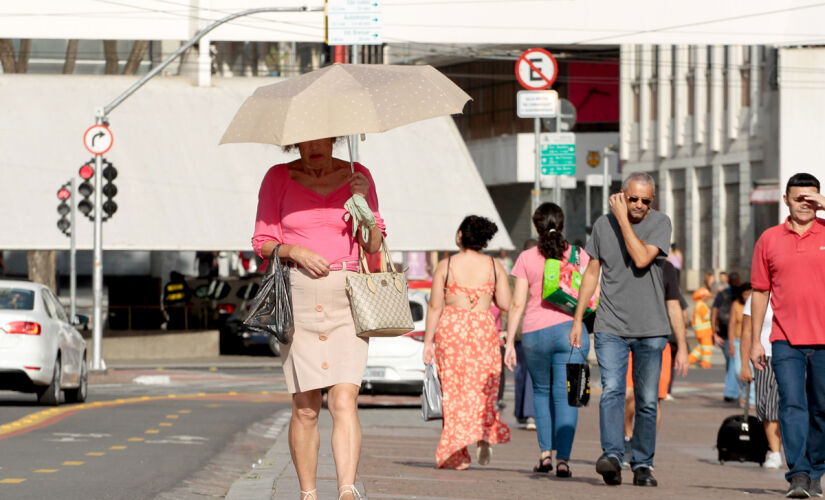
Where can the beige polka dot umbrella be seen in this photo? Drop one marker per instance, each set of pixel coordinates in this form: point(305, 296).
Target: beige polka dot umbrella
point(344, 99)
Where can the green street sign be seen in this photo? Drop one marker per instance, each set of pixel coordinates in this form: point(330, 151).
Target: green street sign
point(558, 154)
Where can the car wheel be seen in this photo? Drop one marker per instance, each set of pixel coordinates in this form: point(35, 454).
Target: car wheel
point(79, 395)
point(51, 394)
point(274, 346)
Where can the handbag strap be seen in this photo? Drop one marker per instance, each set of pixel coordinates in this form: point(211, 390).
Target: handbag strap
point(272, 257)
point(574, 255)
point(364, 267)
point(584, 357)
point(447, 278)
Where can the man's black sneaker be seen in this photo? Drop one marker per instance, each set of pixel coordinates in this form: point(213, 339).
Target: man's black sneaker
point(643, 477)
point(610, 469)
point(816, 488)
point(800, 484)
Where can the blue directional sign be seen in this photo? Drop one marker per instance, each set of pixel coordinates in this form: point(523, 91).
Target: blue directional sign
point(558, 154)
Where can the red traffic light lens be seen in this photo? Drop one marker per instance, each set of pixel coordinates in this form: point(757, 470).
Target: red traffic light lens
point(86, 171)
point(63, 194)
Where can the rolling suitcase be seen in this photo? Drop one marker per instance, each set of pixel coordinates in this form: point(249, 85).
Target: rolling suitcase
point(742, 438)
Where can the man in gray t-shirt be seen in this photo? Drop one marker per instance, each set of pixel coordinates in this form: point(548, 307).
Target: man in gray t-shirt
point(627, 247)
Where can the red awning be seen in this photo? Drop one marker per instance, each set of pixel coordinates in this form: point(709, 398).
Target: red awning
point(766, 194)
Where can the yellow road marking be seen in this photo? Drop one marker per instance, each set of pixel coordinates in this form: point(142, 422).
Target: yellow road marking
point(73, 463)
point(118, 447)
point(38, 418)
point(152, 431)
point(12, 480)
point(136, 440)
point(96, 453)
point(46, 471)
point(165, 424)
point(213, 368)
point(172, 417)
point(214, 405)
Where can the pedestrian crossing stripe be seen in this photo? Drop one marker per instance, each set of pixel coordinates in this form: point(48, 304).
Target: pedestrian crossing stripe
point(118, 447)
point(96, 453)
point(46, 471)
point(73, 463)
point(12, 480)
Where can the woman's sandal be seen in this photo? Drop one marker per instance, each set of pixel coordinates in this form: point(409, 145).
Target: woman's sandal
point(563, 469)
point(545, 464)
point(348, 488)
point(309, 495)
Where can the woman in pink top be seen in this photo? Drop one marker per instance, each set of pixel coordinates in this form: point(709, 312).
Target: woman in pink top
point(545, 340)
point(301, 207)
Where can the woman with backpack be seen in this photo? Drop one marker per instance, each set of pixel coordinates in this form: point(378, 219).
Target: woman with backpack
point(545, 338)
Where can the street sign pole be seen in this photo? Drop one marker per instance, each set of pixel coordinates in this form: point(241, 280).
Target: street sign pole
point(537, 183)
point(97, 262)
point(72, 251)
point(557, 186)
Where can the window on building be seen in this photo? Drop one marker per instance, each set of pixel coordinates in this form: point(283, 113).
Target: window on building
point(745, 72)
point(709, 79)
point(725, 78)
point(691, 80)
point(733, 239)
point(654, 84)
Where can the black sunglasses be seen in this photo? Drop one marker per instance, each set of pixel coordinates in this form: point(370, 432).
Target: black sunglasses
point(634, 199)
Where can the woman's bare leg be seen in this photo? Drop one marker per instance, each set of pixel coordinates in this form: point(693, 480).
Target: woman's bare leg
point(303, 436)
point(342, 401)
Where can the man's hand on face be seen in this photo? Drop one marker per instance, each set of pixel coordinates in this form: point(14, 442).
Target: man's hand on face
point(618, 205)
point(817, 200)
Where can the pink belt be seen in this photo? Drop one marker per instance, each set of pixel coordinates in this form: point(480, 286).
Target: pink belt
point(336, 266)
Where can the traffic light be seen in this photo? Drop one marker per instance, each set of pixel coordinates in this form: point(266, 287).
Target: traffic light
point(86, 189)
point(109, 190)
point(64, 194)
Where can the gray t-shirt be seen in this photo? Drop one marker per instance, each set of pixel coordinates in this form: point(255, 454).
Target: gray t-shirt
point(632, 301)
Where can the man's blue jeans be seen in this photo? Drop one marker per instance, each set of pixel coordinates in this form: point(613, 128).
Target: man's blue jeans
point(548, 351)
point(613, 352)
point(800, 374)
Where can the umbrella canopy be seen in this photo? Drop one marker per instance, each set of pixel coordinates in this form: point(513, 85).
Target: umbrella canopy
point(344, 99)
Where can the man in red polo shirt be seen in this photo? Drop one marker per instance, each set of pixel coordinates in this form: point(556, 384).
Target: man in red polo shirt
point(789, 266)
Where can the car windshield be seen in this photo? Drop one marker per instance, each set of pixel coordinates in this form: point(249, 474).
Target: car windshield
point(16, 299)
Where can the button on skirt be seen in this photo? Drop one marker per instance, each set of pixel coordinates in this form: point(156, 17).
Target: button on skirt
point(324, 350)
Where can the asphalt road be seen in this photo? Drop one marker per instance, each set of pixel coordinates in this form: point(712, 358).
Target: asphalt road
point(143, 433)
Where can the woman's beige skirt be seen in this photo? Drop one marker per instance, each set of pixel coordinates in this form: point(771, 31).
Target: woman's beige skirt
point(324, 350)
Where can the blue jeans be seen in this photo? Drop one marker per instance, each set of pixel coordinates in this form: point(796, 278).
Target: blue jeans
point(731, 380)
point(524, 386)
point(737, 369)
point(547, 352)
point(800, 374)
point(613, 352)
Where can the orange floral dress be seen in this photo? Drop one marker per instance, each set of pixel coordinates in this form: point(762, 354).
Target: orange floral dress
point(469, 365)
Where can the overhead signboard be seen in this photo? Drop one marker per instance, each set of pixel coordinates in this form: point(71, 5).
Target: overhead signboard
point(536, 69)
point(353, 22)
point(537, 103)
point(558, 153)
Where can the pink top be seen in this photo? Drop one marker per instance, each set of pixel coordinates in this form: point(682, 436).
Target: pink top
point(293, 214)
point(538, 313)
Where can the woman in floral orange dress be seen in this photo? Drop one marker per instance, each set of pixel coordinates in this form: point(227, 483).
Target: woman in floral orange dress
point(463, 338)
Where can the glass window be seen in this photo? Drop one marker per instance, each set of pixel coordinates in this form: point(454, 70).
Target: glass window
point(59, 310)
point(16, 299)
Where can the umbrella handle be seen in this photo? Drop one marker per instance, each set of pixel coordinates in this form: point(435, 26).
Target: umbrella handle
point(349, 148)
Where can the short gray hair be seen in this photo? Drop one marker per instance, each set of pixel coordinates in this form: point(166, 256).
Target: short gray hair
point(641, 177)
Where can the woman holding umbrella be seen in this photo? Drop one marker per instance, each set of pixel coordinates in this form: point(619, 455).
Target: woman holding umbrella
point(301, 207)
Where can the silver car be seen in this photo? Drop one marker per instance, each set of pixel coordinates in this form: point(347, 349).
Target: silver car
point(40, 350)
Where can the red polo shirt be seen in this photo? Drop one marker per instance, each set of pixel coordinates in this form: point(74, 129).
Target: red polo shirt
point(792, 267)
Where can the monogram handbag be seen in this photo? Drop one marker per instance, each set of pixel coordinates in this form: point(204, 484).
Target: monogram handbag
point(379, 302)
point(271, 309)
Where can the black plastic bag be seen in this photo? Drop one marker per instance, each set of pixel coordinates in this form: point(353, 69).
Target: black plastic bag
point(431, 408)
point(578, 381)
point(271, 309)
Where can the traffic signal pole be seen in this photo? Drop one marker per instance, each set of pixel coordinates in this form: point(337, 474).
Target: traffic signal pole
point(73, 251)
point(101, 117)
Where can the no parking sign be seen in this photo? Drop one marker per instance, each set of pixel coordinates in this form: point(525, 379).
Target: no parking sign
point(536, 69)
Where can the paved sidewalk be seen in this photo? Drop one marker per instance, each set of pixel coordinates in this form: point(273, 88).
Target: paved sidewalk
point(397, 459)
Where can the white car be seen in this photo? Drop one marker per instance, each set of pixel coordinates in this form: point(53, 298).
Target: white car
point(40, 350)
point(394, 364)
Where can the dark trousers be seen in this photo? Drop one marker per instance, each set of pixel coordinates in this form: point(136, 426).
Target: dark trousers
point(524, 387)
